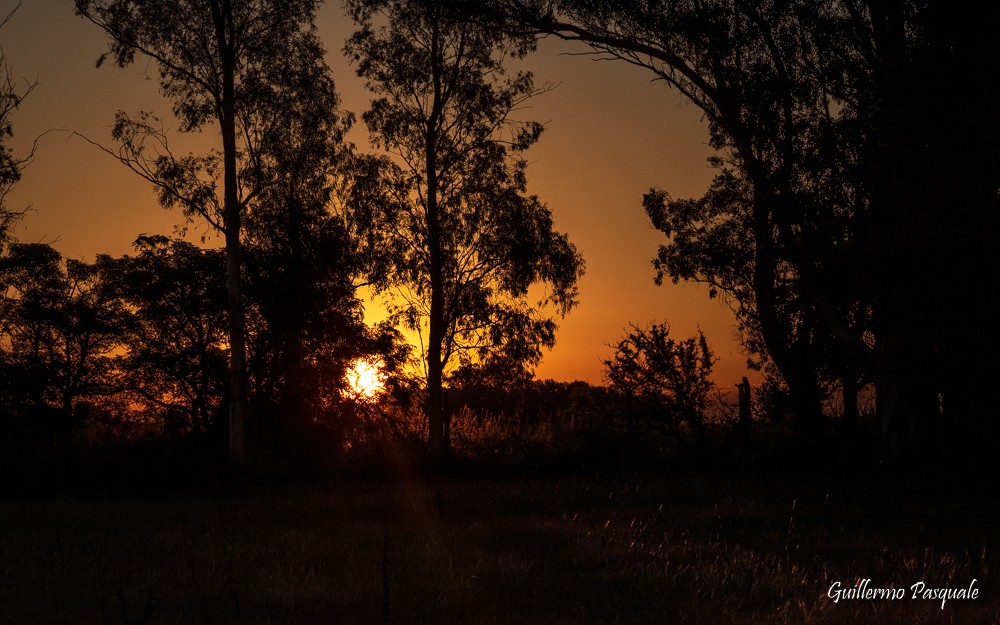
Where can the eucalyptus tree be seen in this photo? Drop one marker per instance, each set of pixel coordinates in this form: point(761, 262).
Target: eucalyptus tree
point(469, 241)
point(711, 240)
point(821, 108)
point(220, 62)
point(302, 262)
point(751, 68)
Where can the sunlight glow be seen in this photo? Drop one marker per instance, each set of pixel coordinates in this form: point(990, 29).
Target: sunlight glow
point(365, 379)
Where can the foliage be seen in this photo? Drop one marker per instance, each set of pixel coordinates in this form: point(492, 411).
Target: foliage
point(175, 364)
point(225, 63)
point(818, 115)
point(782, 182)
point(219, 62)
point(710, 240)
point(302, 264)
point(468, 240)
point(12, 95)
point(61, 326)
point(663, 380)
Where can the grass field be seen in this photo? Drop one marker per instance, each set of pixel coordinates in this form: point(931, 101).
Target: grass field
point(545, 548)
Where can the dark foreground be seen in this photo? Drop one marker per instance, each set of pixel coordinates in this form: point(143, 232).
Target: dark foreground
point(687, 548)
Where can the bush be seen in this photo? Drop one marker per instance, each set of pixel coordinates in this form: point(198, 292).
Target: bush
point(662, 382)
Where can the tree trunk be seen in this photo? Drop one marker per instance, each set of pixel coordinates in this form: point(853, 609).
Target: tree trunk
point(808, 401)
point(850, 389)
point(436, 331)
point(238, 407)
point(905, 387)
point(435, 364)
point(906, 195)
point(299, 400)
point(794, 366)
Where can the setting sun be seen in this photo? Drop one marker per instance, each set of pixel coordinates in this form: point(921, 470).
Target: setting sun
point(364, 379)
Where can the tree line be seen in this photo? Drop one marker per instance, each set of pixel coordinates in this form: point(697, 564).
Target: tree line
point(264, 329)
point(848, 226)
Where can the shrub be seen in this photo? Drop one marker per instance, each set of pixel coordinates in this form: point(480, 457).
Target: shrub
point(662, 382)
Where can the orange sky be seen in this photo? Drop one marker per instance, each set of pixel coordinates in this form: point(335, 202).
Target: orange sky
point(610, 135)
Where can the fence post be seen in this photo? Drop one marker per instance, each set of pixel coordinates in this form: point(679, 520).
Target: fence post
point(746, 423)
point(446, 421)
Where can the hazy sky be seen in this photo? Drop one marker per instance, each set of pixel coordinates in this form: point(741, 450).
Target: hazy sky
point(611, 134)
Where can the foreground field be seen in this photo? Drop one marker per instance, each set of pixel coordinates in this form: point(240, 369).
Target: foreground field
point(542, 549)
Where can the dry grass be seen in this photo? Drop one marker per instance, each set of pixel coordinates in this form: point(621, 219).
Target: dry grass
point(545, 549)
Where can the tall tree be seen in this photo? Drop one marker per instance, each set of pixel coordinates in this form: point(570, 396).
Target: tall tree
point(819, 108)
point(216, 60)
point(302, 259)
point(469, 239)
point(737, 62)
point(710, 240)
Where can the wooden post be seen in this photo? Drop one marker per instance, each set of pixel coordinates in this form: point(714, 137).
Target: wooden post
point(445, 421)
point(746, 423)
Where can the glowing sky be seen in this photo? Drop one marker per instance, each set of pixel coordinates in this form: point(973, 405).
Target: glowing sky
point(610, 135)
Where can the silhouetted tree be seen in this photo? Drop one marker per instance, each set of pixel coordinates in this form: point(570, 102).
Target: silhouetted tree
point(817, 108)
point(664, 380)
point(710, 241)
point(931, 171)
point(735, 63)
point(303, 259)
point(62, 327)
point(175, 363)
point(219, 61)
point(469, 240)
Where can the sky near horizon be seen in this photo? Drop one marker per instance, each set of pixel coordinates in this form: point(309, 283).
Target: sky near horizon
point(610, 135)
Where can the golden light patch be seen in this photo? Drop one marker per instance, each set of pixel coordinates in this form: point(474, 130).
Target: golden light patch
point(364, 379)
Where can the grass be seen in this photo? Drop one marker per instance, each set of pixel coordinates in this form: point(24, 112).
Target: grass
point(545, 548)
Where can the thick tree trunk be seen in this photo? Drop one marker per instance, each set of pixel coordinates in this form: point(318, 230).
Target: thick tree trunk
point(808, 401)
point(905, 199)
point(850, 389)
point(906, 392)
point(794, 366)
point(295, 400)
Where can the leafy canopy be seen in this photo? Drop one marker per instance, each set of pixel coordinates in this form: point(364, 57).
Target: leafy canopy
point(454, 200)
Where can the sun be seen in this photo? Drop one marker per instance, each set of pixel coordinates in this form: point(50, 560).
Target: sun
point(365, 379)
